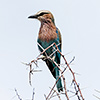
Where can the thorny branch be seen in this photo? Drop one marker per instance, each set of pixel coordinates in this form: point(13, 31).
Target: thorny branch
point(18, 95)
point(33, 94)
point(74, 80)
point(52, 95)
point(76, 86)
point(98, 97)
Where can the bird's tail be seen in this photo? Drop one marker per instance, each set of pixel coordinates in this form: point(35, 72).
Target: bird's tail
point(55, 72)
point(59, 85)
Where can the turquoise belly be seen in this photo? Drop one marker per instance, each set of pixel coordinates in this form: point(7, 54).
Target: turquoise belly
point(45, 44)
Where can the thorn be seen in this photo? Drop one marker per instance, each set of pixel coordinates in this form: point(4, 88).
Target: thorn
point(37, 70)
point(97, 91)
point(27, 64)
point(96, 96)
point(77, 73)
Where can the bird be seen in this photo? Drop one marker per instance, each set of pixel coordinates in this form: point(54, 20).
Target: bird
point(49, 34)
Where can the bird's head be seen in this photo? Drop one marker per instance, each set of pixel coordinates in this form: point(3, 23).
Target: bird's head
point(43, 15)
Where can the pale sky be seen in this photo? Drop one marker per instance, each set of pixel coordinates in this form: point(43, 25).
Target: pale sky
point(78, 21)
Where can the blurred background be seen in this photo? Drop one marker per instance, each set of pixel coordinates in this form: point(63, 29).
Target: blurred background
point(79, 24)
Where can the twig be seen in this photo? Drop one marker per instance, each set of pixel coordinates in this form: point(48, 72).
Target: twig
point(97, 91)
point(30, 72)
point(60, 77)
point(53, 88)
point(57, 94)
point(18, 95)
point(76, 91)
point(71, 72)
point(57, 65)
point(96, 96)
point(33, 94)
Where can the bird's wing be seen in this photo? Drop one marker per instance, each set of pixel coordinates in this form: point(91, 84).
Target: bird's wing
point(59, 40)
point(57, 58)
point(59, 35)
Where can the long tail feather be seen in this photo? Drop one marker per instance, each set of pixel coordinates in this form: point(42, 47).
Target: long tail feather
point(55, 72)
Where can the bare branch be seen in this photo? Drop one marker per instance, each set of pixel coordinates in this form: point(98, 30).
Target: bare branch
point(18, 95)
point(57, 94)
point(96, 96)
point(52, 91)
point(97, 91)
point(33, 94)
point(71, 72)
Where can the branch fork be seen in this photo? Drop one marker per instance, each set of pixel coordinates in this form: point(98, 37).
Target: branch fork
point(40, 56)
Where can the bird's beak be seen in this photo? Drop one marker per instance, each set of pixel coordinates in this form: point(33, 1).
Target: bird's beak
point(33, 16)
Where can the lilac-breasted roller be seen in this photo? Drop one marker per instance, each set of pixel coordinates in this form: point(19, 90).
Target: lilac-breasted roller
point(49, 34)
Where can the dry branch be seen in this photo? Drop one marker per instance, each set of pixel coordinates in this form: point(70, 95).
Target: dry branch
point(76, 86)
point(33, 94)
point(18, 95)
